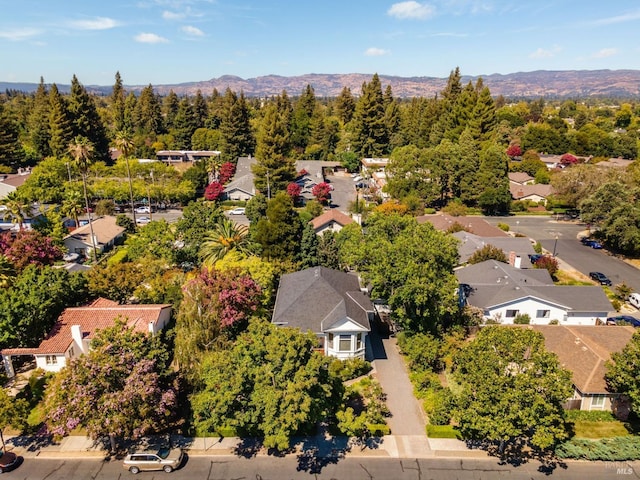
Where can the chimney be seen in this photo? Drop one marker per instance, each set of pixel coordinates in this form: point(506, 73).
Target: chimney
point(512, 259)
point(517, 261)
point(76, 334)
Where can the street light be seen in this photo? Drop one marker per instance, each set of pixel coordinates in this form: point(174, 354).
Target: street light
point(555, 244)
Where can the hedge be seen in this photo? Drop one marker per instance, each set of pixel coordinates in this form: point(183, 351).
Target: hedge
point(614, 449)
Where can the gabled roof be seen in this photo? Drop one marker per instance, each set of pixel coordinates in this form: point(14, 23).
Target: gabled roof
point(104, 228)
point(244, 183)
point(584, 350)
point(476, 225)
point(523, 191)
point(520, 177)
point(98, 315)
point(317, 298)
point(470, 243)
point(495, 283)
point(333, 215)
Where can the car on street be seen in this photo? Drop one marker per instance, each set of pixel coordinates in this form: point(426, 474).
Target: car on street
point(167, 459)
point(142, 220)
point(589, 242)
point(623, 320)
point(634, 299)
point(143, 210)
point(237, 211)
point(601, 278)
point(8, 460)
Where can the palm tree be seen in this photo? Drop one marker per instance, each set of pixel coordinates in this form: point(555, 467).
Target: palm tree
point(226, 236)
point(125, 144)
point(81, 149)
point(72, 206)
point(15, 209)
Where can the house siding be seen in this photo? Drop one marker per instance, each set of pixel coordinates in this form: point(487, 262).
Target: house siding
point(542, 313)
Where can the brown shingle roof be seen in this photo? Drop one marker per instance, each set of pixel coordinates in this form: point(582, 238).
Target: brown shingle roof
point(584, 350)
point(333, 215)
point(520, 177)
point(475, 225)
point(104, 228)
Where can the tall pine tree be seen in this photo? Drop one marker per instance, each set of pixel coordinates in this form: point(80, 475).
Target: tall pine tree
point(86, 121)
point(60, 125)
point(39, 129)
point(371, 137)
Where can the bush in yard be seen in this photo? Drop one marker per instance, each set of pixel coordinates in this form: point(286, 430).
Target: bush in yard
point(422, 351)
point(615, 449)
point(437, 405)
point(503, 226)
point(423, 381)
point(349, 369)
point(522, 319)
point(549, 263)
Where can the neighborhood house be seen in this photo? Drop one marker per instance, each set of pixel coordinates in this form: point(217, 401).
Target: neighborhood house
point(105, 230)
point(330, 304)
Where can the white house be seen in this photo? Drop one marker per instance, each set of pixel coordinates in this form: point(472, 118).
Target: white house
point(332, 220)
point(504, 292)
point(328, 303)
point(72, 334)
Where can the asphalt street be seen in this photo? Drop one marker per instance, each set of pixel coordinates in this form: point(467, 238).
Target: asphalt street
point(302, 467)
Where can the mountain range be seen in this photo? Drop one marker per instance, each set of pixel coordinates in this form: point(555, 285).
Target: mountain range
point(541, 83)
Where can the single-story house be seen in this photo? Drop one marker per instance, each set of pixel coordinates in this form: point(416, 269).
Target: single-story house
point(174, 156)
point(520, 178)
point(583, 350)
point(535, 193)
point(370, 165)
point(475, 225)
point(520, 246)
point(71, 336)
point(9, 182)
point(503, 292)
point(333, 220)
point(328, 303)
point(105, 230)
point(615, 163)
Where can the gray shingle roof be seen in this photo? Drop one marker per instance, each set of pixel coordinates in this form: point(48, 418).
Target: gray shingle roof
point(317, 298)
point(469, 243)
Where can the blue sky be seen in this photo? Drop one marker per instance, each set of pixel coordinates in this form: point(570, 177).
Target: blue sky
point(174, 41)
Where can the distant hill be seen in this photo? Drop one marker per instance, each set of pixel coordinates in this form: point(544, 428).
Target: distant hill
point(541, 83)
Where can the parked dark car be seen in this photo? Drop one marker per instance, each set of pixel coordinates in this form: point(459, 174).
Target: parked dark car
point(601, 278)
point(535, 257)
point(623, 319)
point(8, 460)
point(589, 242)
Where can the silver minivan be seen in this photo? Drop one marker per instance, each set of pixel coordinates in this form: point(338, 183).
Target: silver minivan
point(167, 459)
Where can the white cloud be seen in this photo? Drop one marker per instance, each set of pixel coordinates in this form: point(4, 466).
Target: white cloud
point(150, 38)
point(19, 34)
point(605, 52)
point(167, 15)
point(545, 53)
point(626, 17)
point(192, 31)
point(411, 10)
point(375, 52)
point(98, 23)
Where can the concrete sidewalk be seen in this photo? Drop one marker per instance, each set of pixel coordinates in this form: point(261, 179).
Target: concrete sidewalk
point(392, 446)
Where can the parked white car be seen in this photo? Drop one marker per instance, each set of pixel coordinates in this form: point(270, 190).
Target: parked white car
point(143, 210)
point(634, 299)
point(142, 220)
point(237, 211)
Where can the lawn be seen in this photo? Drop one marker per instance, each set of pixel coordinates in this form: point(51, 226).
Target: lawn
point(591, 429)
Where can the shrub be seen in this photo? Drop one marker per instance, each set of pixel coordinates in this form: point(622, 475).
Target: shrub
point(349, 369)
point(590, 416)
point(616, 304)
point(429, 211)
point(504, 227)
point(455, 208)
point(379, 429)
point(616, 449)
point(443, 431)
point(537, 247)
point(423, 381)
point(554, 322)
point(522, 319)
point(118, 257)
point(437, 405)
point(422, 349)
point(488, 252)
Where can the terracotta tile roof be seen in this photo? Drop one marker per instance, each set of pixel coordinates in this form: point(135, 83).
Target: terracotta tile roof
point(333, 215)
point(104, 228)
point(476, 225)
point(584, 350)
point(98, 315)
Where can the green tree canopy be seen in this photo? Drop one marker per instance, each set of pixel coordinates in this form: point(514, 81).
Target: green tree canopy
point(270, 383)
point(511, 389)
point(622, 372)
point(488, 252)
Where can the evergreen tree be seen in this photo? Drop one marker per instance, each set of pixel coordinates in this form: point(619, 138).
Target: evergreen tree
point(280, 232)
point(273, 170)
point(184, 125)
point(39, 129)
point(130, 112)
point(308, 247)
point(235, 126)
point(345, 105)
point(493, 180)
point(483, 119)
point(86, 120)
point(60, 127)
point(170, 106)
point(149, 112)
point(302, 120)
point(200, 110)
point(11, 152)
point(118, 99)
point(371, 137)
point(468, 169)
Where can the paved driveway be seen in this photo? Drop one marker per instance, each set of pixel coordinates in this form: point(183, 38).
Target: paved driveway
point(344, 192)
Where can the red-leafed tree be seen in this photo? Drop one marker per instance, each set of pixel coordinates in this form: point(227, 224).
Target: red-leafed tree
point(322, 191)
point(549, 263)
point(29, 247)
point(215, 306)
point(293, 190)
point(568, 159)
point(227, 170)
point(213, 191)
point(514, 151)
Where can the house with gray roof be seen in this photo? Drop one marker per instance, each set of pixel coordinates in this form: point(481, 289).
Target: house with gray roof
point(504, 292)
point(470, 243)
point(328, 303)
